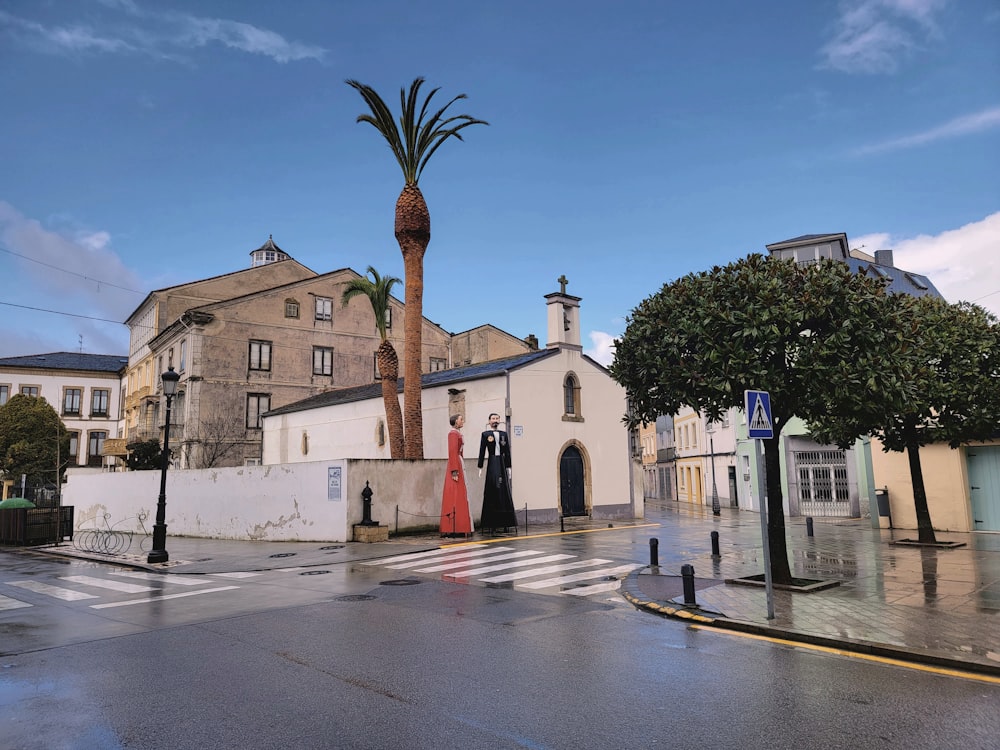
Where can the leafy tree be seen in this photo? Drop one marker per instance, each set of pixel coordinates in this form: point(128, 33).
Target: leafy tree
point(946, 362)
point(32, 440)
point(413, 141)
point(145, 456)
point(378, 290)
point(803, 333)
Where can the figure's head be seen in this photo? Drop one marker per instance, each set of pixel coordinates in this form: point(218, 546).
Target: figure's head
point(494, 420)
point(457, 420)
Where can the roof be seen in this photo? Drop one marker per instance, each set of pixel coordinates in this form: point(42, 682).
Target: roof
point(899, 281)
point(490, 369)
point(111, 363)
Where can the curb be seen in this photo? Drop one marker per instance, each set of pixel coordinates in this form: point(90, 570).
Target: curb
point(630, 590)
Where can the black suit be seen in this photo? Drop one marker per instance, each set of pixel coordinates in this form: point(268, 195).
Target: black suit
point(498, 504)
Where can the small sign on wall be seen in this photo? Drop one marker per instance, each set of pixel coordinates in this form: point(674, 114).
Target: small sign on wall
point(333, 476)
point(518, 430)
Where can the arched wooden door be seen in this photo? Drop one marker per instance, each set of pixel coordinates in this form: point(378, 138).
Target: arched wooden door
point(571, 482)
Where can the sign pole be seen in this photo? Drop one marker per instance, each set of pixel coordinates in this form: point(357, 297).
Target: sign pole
point(760, 426)
point(762, 494)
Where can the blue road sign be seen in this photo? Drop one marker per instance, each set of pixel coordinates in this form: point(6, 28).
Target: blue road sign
point(760, 426)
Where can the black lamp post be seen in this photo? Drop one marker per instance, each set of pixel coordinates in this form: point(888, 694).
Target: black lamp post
point(710, 429)
point(159, 552)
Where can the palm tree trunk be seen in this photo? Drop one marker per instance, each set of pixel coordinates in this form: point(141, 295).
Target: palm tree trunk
point(413, 233)
point(388, 367)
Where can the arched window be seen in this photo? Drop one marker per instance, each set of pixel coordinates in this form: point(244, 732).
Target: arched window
point(571, 399)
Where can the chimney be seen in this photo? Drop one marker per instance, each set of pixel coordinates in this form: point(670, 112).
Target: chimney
point(884, 257)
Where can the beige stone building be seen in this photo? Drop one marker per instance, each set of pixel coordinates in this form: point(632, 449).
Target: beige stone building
point(255, 340)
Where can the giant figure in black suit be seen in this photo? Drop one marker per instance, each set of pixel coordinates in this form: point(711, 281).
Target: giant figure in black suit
point(498, 504)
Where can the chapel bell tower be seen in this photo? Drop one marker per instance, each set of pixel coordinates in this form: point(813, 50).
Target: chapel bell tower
point(563, 318)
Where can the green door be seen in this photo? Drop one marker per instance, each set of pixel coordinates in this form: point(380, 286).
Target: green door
point(984, 486)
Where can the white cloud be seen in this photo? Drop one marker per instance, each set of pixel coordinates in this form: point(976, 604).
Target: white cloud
point(71, 272)
point(603, 349)
point(977, 122)
point(872, 36)
point(161, 35)
point(962, 263)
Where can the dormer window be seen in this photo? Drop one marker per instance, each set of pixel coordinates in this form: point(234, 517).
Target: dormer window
point(916, 281)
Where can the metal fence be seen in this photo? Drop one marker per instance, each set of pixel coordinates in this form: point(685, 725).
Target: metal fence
point(24, 527)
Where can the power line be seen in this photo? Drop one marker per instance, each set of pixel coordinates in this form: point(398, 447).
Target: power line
point(71, 273)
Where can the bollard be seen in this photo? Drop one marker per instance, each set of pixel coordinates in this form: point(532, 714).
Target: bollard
point(654, 552)
point(809, 526)
point(687, 577)
point(562, 525)
point(715, 544)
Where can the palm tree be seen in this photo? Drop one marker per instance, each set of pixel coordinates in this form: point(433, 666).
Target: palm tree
point(378, 289)
point(413, 141)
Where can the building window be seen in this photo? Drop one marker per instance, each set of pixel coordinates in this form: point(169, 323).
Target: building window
point(322, 360)
point(257, 404)
point(183, 362)
point(260, 355)
point(571, 398)
point(291, 308)
point(71, 402)
point(74, 447)
point(29, 390)
point(99, 402)
point(4, 394)
point(438, 364)
point(94, 448)
point(388, 318)
point(324, 308)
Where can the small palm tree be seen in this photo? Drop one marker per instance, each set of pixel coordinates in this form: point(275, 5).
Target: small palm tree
point(413, 141)
point(378, 289)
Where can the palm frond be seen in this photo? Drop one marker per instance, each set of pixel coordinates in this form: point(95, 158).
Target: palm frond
point(378, 290)
point(415, 137)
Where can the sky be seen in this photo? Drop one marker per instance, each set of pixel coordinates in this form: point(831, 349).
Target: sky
point(145, 144)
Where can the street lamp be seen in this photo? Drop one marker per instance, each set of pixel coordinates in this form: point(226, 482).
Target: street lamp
point(710, 429)
point(159, 552)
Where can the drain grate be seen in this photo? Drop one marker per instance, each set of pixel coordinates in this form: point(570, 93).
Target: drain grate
point(333, 546)
point(313, 572)
point(400, 582)
point(283, 554)
point(354, 598)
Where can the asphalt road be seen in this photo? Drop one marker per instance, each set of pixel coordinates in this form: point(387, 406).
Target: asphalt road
point(341, 660)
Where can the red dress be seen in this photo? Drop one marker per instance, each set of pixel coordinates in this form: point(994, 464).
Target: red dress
point(455, 516)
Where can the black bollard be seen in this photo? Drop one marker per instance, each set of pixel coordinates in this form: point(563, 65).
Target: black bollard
point(687, 577)
point(809, 526)
point(715, 544)
point(562, 525)
point(654, 552)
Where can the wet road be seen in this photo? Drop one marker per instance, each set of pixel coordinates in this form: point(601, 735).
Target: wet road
point(338, 659)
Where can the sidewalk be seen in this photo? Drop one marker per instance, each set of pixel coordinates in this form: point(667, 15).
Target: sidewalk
point(936, 606)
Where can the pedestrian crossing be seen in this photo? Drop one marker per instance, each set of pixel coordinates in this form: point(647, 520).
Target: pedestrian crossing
point(529, 570)
point(150, 587)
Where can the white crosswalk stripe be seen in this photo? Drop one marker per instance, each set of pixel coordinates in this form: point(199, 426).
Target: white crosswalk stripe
point(154, 593)
point(7, 603)
point(526, 569)
point(58, 592)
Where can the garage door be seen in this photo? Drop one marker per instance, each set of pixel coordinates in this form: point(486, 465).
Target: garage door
point(984, 486)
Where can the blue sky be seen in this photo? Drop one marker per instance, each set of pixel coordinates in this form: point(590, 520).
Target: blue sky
point(146, 144)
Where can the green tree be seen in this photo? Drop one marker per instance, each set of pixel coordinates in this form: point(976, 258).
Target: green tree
point(144, 456)
point(33, 440)
point(378, 290)
point(413, 141)
point(803, 333)
point(945, 361)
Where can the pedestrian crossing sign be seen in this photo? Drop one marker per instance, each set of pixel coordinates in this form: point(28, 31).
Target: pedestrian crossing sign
point(760, 426)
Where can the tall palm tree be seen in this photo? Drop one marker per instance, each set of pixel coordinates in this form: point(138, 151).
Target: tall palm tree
point(413, 141)
point(378, 289)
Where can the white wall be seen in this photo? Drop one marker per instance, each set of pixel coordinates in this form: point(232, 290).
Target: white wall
point(289, 502)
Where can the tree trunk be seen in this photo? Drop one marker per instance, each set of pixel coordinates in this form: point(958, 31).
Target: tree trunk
point(413, 233)
point(388, 367)
point(925, 528)
point(777, 547)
